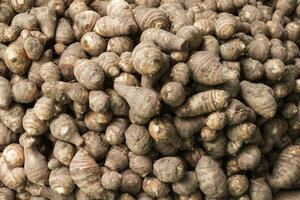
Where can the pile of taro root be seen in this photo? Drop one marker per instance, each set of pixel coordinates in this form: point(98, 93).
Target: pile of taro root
point(149, 99)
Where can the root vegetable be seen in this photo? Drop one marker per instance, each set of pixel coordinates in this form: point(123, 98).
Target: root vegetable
point(86, 174)
point(145, 102)
point(262, 102)
point(212, 180)
point(64, 128)
point(203, 102)
point(212, 75)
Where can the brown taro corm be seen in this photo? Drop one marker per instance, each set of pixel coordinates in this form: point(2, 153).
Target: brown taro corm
point(149, 99)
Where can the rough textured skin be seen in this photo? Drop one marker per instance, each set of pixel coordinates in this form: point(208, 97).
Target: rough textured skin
point(203, 102)
point(260, 98)
point(212, 180)
point(165, 40)
point(286, 170)
point(147, 58)
point(169, 169)
point(86, 174)
point(207, 69)
point(145, 102)
point(151, 18)
point(68, 59)
point(260, 190)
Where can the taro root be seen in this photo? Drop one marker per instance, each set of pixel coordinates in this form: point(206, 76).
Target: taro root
point(203, 102)
point(288, 159)
point(86, 174)
point(169, 169)
point(260, 98)
point(212, 180)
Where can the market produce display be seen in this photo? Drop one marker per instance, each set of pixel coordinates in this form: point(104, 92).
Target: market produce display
point(149, 99)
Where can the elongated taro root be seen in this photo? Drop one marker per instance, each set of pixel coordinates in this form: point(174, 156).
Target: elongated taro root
point(143, 101)
point(111, 26)
point(35, 164)
point(180, 73)
point(204, 102)
point(44, 192)
point(260, 98)
point(64, 128)
point(63, 27)
point(86, 174)
point(286, 169)
point(49, 72)
point(212, 180)
point(126, 62)
point(207, 69)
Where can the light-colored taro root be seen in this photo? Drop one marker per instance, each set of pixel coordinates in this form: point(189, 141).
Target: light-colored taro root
point(86, 174)
point(207, 69)
point(204, 102)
